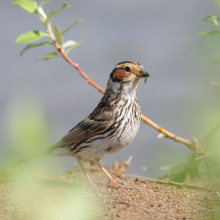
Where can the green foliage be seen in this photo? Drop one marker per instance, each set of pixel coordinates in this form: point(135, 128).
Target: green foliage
point(50, 16)
point(49, 56)
point(74, 45)
point(29, 46)
point(32, 7)
point(214, 20)
point(208, 32)
point(58, 36)
point(26, 124)
point(29, 6)
point(218, 2)
point(44, 2)
point(77, 22)
point(31, 36)
point(216, 61)
point(32, 192)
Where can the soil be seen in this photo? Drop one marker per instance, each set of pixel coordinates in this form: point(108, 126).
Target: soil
point(70, 196)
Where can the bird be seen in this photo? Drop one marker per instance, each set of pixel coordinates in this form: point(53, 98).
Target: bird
point(110, 127)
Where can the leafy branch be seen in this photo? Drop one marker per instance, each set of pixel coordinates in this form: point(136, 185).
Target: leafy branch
point(215, 21)
point(56, 37)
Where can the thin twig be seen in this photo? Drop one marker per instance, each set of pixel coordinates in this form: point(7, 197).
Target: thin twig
point(167, 133)
point(145, 178)
point(91, 82)
point(170, 182)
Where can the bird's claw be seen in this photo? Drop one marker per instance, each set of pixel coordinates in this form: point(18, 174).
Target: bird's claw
point(116, 185)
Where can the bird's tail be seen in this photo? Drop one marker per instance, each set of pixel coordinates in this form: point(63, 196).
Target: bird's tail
point(42, 154)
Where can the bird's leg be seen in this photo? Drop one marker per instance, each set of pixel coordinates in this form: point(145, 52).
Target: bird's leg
point(80, 162)
point(111, 180)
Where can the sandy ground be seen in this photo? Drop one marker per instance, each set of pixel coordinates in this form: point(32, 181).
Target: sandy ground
point(69, 196)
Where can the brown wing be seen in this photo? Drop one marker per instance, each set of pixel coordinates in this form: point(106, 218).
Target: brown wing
point(97, 122)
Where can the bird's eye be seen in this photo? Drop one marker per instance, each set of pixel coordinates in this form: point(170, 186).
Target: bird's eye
point(127, 69)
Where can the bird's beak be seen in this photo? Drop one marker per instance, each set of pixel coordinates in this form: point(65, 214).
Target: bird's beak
point(143, 74)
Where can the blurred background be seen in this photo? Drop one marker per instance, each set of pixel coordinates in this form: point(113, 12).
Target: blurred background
point(158, 34)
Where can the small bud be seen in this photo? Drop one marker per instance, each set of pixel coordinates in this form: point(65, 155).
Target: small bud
point(161, 135)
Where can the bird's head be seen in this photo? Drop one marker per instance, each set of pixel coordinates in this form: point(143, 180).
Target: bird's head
point(126, 76)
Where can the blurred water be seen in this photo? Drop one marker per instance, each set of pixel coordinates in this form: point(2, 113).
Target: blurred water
point(158, 34)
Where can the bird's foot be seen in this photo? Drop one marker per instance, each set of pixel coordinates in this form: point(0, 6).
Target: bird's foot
point(116, 185)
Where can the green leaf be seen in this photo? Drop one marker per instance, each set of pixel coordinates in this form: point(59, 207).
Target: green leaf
point(30, 36)
point(216, 61)
point(75, 45)
point(205, 39)
point(208, 32)
point(49, 56)
point(212, 19)
point(50, 16)
point(69, 43)
point(35, 45)
point(44, 2)
point(209, 18)
point(77, 22)
point(58, 36)
point(42, 14)
point(218, 2)
point(29, 6)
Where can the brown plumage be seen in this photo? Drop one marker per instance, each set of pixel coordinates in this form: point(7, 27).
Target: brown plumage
point(111, 126)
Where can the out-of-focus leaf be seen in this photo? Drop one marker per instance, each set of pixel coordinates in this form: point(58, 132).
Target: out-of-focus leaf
point(209, 18)
point(213, 138)
point(218, 2)
point(26, 122)
point(44, 2)
point(35, 45)
point(75, 45)
point(208, 32)
point(58, 36)
point(42, 14)
point(216, 61)
point(77, 22)
point(50, 16)
point(205, 39)
point(69, 43)
point(49, 56)
point(29, 6)
point(212, 19)
point(30, 36)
